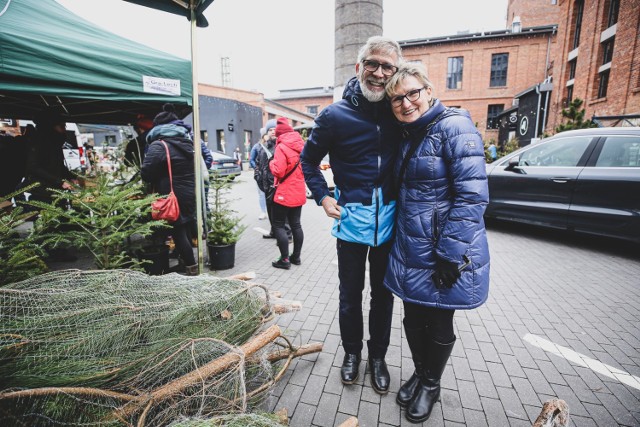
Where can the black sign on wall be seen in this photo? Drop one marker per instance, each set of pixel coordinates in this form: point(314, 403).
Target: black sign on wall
point(527, 115)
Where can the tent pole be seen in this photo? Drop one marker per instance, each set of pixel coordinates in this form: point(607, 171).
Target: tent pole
point(197, 158)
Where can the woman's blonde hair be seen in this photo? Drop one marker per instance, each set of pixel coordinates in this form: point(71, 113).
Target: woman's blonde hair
point(406, 69)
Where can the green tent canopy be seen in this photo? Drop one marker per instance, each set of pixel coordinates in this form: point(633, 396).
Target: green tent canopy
point(49, 56)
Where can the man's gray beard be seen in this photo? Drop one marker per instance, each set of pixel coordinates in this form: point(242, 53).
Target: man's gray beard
point(371, 95)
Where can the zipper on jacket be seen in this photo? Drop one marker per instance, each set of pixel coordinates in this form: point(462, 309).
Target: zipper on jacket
point(375, 188)
point(375, 232)
point(434, 225)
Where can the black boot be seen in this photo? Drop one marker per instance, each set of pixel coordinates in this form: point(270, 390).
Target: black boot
point(416, 338)
point(428, 391)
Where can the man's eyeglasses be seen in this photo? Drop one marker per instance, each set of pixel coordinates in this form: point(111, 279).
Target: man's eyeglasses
point(372, 67)
point(412, 95)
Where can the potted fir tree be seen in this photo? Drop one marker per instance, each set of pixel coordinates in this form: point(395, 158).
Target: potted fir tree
point(224, 226)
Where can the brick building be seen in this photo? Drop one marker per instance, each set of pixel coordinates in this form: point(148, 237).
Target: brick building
point(598, 60)
point(482, 72)
point(310, 100)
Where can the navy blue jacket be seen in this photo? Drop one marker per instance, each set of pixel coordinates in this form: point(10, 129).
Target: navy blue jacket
point(441, 202)
point(361, 139)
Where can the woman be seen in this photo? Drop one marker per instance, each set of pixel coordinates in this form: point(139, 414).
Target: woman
point(290, 192)
point(439, 262)
point(170, 129)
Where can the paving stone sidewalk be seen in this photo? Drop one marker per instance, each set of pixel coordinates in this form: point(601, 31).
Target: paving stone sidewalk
point(562, 320)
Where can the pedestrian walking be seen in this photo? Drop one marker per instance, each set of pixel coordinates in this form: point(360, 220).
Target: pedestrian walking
point(290, 194)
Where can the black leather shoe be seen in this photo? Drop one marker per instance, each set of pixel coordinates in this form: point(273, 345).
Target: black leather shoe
point(379, 375)
point(283, 263)
point(268, 236)
point(350, 366)
point(295, 260)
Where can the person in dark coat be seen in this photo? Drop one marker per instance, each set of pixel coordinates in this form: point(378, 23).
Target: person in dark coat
point(46, 165)
point(359, 133)
point(170, 129)
point(439, 261)
point(290, 193)
point(136, 148)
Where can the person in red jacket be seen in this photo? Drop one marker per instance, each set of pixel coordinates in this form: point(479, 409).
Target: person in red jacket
point(290, 192)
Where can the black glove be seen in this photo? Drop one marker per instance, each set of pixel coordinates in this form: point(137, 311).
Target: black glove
point(446, 274)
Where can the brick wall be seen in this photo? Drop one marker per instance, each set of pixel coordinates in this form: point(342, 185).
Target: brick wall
point(301, 104)
point(533, 13)
point(623, 93)
point(526, 67)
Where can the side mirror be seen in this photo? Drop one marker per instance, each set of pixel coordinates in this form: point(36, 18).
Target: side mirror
point(514, 162)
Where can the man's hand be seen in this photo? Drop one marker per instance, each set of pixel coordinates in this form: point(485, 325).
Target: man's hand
point(331, 207)
point(67, 185)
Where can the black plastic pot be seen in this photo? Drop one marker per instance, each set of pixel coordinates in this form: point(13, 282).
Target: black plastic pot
point(159, 257)
point(221, 257)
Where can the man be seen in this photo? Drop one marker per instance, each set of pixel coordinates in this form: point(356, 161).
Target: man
point(253, 156)
point(262, 174)
point(359, 133)
point(137, 147)
point(46, 165)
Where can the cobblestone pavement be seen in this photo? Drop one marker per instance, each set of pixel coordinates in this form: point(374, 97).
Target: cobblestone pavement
point(562, 321)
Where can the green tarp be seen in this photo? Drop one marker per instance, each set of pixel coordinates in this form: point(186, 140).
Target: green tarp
point(49, 56)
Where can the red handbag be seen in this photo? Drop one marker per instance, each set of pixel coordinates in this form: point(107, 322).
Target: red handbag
point(166, 207)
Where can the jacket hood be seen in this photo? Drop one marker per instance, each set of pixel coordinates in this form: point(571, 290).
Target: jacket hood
point(290, 138)
point(283, 127)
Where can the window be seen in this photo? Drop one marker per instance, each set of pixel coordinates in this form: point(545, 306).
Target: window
point(607, 50)
point(620, 151)
point(603, 83)
point(578, 9)
point(312, 109)
point(454, 72)
point(612, 15)
point(565, 152)
point(499, 63)
point(603, 75)
point(572, 68)
point(569, 95)
point(492, 112)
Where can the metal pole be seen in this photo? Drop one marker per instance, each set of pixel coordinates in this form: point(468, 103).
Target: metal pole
point(197, 155)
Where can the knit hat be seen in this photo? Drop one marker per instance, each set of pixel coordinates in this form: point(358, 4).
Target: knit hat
point(270, 124)
point(168, 115)
point(283, 126)
point(143, 122)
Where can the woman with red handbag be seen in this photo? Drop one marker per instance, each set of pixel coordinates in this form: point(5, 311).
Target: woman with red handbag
point(168, 167)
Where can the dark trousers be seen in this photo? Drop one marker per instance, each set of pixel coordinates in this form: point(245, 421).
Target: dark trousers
point(270, 215)
point(438, 321)
point(282, 215)
point(352, 258)
point(181, 234)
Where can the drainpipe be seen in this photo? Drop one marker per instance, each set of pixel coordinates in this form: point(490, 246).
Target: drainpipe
point(538, 110)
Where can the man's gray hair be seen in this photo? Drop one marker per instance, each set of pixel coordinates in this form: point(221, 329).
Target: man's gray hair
point(380, 45)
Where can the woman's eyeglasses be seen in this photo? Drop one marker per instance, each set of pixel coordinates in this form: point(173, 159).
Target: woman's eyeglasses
point(372, 67)
point(412, 95)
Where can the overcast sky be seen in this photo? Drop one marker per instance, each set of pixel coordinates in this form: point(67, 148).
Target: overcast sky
point(280, 44)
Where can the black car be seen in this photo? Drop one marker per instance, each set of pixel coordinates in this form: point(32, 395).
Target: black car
point(224, 166)
point(584, 180)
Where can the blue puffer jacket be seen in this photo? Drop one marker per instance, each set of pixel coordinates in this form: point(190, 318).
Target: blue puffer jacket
point(440, 205)
point(361, 139)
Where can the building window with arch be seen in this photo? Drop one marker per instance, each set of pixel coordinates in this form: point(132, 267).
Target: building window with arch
point(499, 66)
point(454, 72)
